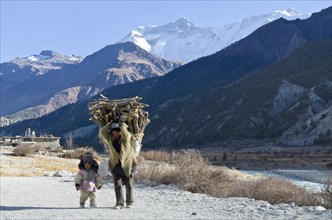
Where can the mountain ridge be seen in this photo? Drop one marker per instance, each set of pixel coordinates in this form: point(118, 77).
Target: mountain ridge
point(182, 40)
point(112, 65)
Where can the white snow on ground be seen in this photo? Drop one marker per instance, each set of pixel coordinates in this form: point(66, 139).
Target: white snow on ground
point(56, 198)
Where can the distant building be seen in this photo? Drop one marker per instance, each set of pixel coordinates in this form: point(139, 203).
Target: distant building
point(48, 141)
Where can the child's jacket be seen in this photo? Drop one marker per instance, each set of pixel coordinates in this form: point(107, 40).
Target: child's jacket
point(87, 179)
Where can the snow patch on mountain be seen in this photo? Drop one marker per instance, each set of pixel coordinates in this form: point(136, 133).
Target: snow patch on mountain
point(32, 58)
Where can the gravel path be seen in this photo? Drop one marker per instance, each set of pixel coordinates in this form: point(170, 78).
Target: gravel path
point(56, 198)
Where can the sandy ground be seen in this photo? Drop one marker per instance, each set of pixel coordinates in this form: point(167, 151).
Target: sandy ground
point(56, 198)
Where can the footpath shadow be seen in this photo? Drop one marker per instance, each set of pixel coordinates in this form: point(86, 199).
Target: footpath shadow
point(20, 208)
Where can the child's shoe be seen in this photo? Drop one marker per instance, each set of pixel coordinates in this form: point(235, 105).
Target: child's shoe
point(82, 205)
point(93, 206)
point(118, 207)
point(129, 206)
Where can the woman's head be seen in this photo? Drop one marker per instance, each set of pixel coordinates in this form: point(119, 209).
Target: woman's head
point(115, 130)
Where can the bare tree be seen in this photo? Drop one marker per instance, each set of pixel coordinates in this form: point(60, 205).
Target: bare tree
point(224, 157)
point(69, 141)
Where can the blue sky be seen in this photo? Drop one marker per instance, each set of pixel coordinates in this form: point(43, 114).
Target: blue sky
point(83, 27)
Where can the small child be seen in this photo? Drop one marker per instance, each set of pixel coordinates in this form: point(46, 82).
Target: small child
point(87, 179)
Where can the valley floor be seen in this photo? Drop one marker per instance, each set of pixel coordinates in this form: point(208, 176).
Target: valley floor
point(24, 194)
point(56, 198)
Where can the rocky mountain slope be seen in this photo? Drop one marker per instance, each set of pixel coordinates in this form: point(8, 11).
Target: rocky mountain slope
point(60, 99)
point(40, 94)
point(288, 99)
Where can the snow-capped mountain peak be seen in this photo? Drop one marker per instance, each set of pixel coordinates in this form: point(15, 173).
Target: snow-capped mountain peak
point(32, 58)
point(50, 54)
point(179, 26)
point(137, 38)
point(184, 21)
point(37, 64)
point(289, 12)
point(183, 41)
point(156, 38)
point(47, 58)
point(43, 56)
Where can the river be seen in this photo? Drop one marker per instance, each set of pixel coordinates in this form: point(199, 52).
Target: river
point(308, 179)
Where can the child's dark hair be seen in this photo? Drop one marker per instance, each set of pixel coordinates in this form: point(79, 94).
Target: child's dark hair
point(88, 158)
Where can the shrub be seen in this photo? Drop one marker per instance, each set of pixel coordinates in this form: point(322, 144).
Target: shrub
point(157, 155)
point(327, 194)
point(275, 191)
point(159, 173)
point(77, 153)
point(191, 172)
point(38, 147)
point(25, 149)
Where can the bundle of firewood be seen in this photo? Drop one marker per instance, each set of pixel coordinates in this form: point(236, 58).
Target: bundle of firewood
point(129, 110)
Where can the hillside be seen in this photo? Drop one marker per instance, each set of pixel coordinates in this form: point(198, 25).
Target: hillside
point(262, 105)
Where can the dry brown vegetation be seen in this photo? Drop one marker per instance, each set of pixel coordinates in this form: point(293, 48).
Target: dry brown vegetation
point(77, 153)
point(26, 149)
point(157, 155)
point(33, 165)
point(277, 191)
point(327, 193)
point(190, 171)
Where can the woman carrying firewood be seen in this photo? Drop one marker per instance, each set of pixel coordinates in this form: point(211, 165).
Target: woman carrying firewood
point(122, 159)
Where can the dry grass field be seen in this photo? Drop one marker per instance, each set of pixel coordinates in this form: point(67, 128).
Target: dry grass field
point(33, 165)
